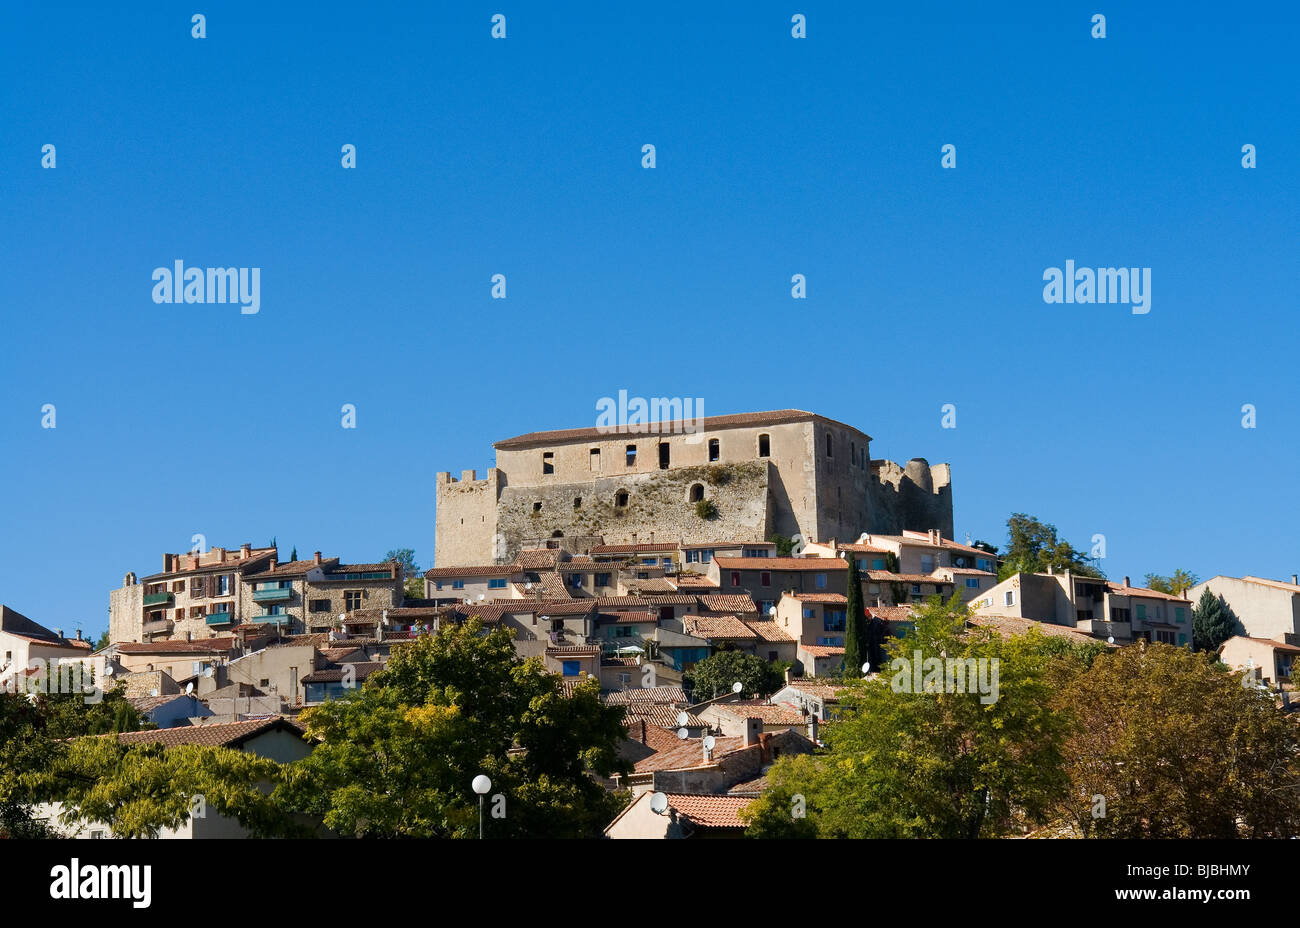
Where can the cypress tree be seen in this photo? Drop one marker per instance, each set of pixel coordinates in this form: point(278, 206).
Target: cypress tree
point(1213, 622)
point(855, 638)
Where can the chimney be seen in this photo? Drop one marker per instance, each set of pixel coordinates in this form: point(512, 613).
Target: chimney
point(1126, 583)
point(316, 558)
point(245, 549)
point(1050, 572)
point(167, 563)
point(643, 731)
point(59, 632)
point(787, 676)
point(189, 636)
point(753, 729)
point(78, 634)
point(221, 555)
point(1295, 580)
point(812, 728)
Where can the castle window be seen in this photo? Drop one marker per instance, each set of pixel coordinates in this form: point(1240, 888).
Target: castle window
point(577, 502)
point(697, 492)
point(548, 462)
point(853, 452)
point(631, 455)
point(557, 534)
point(714, 452)
point(595, 459)
point(620, 498)
point(663, 455)
point(830, 447)
point(764, 446)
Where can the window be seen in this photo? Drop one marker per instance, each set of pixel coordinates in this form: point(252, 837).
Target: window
point(765, 605)
point(602, 579)
point(458, 584)
point(1119, 615)
point(537, 507)
point(756, 552)
point(571, 668)
point(1083, 615)
point(1182, 640)
point(98, 834)
point(692, 557)
point(697, 492)
point(809, 612)
point(620, 498)
point(437, 584)
point(984, 564)
point(833, 619)
point(765, 578)
point(764, 446)
point(853, 452)
point(830, 446)
point(497, 583)
point(577, 502)
point(1166, 637)
point(735, 578)
point(625, 679)
point(265, 682)
point(223, 585)
point(1142, 612)
point(1009, 597)
point(821, 581)
point(1179, 615)
point(548, 462)
point(575, 581)
point(320, 605)
point(972, 583)
point(927, 563)
point(714, 452)
point(831, 642)
point(663, 455)
point(352, 599)
point(706, 555)
point(916, 589)
point(631, 455)
point(177, 587)
point(595, 459)
point(877, 563)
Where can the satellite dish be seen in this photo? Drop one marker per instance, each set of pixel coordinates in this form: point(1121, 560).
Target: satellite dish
point(659, 803)
point(737, 687)
point(108, 669)
point(208, 673)
point(468, 601)
point(480, 597)
point(683, 719)
point(189, 688)
point(528, 585)
point(1110, 639)
point(771, 610)
point(709, 742)
point(866, 668)
point(683, 733)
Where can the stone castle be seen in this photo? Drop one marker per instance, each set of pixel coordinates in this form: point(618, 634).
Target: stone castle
point(739, 478)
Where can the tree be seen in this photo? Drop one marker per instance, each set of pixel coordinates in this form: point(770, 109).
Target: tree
point(855, 631)
point(405, 558)
point(293, 555)
point(1213, 622)
point(1178, 583)
point(717, 673)
point(1166, 743)
point(1033, 547)
point(397, 756)
point(931, 764)
point(103, 641)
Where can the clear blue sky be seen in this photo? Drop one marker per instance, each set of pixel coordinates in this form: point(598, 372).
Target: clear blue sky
point(776, 156)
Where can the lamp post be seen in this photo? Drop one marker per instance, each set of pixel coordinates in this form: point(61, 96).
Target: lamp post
point(481, 786)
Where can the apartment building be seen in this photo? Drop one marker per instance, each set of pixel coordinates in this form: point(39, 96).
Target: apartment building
point(1266, 608)
point(923, 564)
point(1100, 608)
point(25, 644)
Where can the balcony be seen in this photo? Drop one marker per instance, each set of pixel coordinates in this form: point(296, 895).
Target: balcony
point(277, 595)
point(219, 618)
point(159, 599)
point(277, 618)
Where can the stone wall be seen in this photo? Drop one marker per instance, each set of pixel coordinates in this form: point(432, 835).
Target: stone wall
point(658, 507)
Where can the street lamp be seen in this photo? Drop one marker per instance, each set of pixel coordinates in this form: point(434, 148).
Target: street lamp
point(481, 786)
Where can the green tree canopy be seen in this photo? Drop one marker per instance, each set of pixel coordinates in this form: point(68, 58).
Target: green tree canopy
point(1177, 748)
point(1213, 622)
point(719, 672)
point(397, 756)
point(1176, 584)
point(1033, 547)
point(406, 558)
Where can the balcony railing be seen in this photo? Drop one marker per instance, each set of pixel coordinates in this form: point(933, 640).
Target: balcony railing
point(159, 599)
point(278, 595)
point(219, 618)
point(274, 618)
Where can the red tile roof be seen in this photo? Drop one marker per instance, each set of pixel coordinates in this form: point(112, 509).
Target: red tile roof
point(228, 735)
point(710, 811)
point(781, 563)
point(709, 423)
point(728, 602)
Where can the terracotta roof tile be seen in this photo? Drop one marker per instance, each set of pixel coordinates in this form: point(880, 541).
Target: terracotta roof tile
point(781, 563)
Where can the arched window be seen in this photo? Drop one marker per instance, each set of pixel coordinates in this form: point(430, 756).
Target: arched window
point(697, 492)
point(620, 499)
point(714, 452)
point(764, 446)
